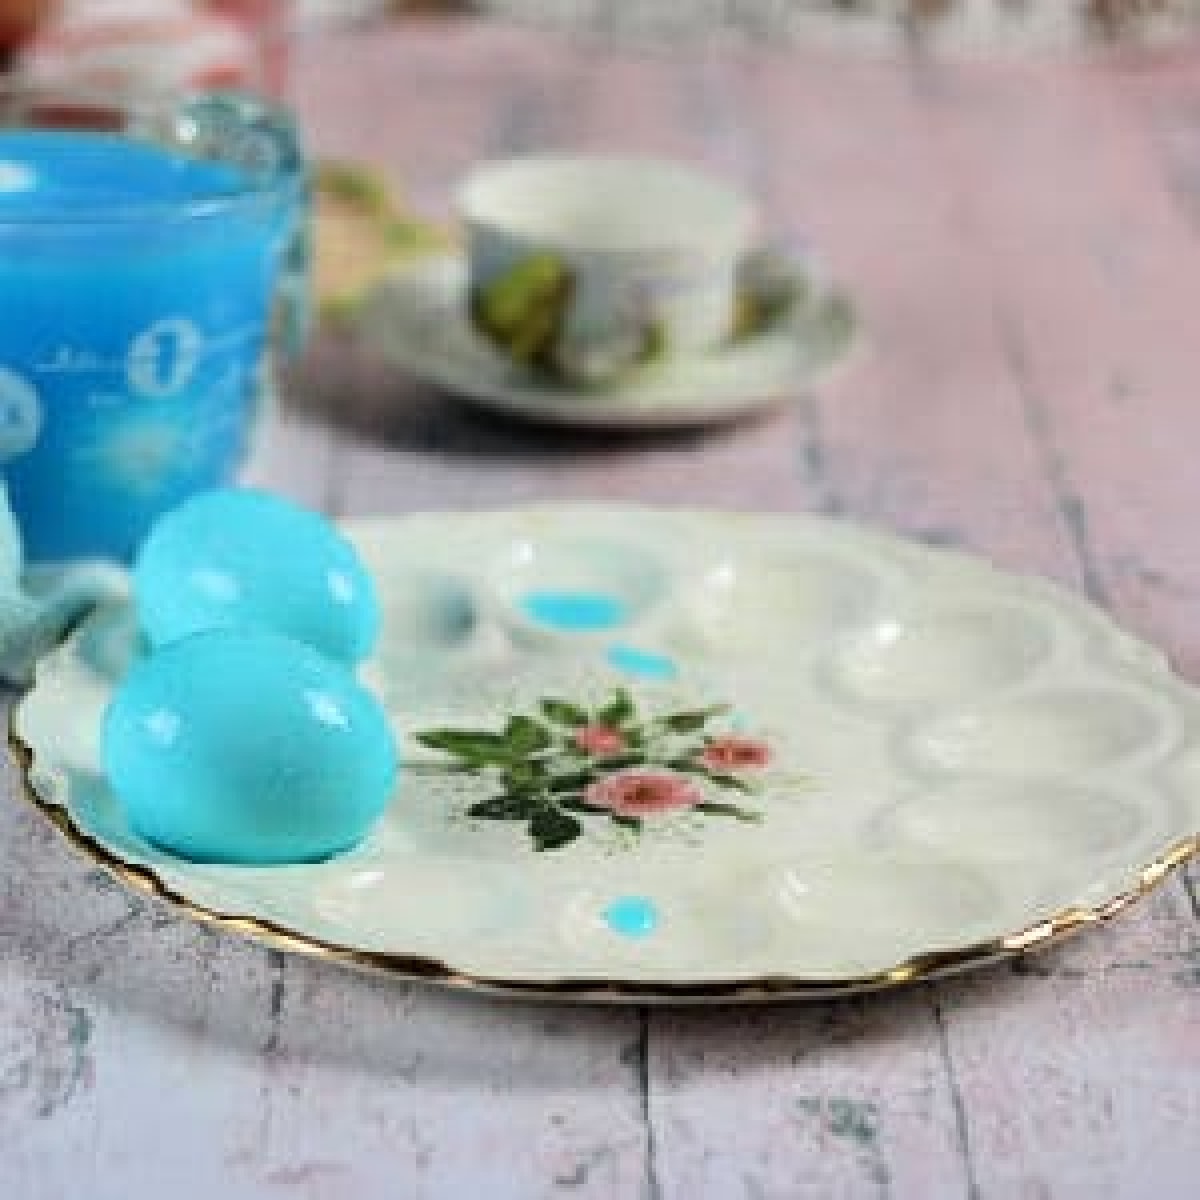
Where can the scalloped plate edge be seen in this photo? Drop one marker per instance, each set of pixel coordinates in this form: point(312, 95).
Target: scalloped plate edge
point(417, 968)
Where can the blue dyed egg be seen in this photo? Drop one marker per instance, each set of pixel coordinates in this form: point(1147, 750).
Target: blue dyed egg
point(241, 558)
point(242, 746)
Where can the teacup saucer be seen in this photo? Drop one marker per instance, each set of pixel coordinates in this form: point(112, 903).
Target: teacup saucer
point(417, 319)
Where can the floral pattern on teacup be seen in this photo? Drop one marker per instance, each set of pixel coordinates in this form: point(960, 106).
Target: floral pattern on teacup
point(529, 312)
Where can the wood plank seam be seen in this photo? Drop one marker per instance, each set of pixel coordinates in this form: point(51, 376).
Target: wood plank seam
point(962, 1124)
point(653, 1184)
point(1036, 414)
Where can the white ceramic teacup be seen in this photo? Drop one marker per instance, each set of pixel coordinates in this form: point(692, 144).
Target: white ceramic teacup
point(588, 265)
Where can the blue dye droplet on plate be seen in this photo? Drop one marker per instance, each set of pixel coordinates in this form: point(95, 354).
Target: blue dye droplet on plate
point(574, 612)
point(632, 916)
point(646, 664)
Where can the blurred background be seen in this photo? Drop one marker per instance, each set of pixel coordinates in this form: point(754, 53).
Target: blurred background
point(975, 172)
point(981, 24)
point(1009, 192)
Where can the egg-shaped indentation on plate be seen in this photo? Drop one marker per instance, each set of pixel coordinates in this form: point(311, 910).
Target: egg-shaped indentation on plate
point(1031, 821)
point(573, 587)
point(938, 657)
point(1052, 732)
point(868, 914)
point(411, 902)
point(794, 598)
point(425, 610)
point(641, 663)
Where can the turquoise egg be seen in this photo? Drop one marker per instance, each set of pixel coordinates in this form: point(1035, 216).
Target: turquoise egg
point(243, 746)
point(235, 557)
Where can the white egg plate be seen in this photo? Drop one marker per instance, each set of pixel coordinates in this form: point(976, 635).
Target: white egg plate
point(694, 756)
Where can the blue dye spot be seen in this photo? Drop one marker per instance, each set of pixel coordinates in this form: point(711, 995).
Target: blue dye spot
point(574, 612)
point(647, 664)
point(632, 916)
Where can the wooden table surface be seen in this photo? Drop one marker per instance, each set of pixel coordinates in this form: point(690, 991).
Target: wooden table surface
point(1024, 240)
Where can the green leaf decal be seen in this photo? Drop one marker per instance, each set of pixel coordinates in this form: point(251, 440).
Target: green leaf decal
point(528, 775)
point(504, 807)
point(461, 767)
point(730, 781)
point(627, 758)
point(563, 712)
point(575, 804)
point(688, 766)
point(524, 736)
point(692, 721)
point(550, 828)
point(474, 745)
point(539, 773)
point(576, 781)
point(717, 808)
point(618, 710)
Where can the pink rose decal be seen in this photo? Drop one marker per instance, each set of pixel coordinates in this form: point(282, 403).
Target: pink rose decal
point(641, 793)
point(600, 740)
point(732, 753)
point(566, 768)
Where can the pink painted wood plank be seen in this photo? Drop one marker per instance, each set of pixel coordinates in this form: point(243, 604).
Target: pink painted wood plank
point(932, 434)
point(1096, 287)
point(294, 456)
point(1023, 240)
point(427, 1094)
point(423, 103)
point(925, 433)
point(130, 1053)
point(1099, 305)
point(1080, 1085)
point(426, 454)
point(141, 1054)
point(417, 449)
point(823, 1100)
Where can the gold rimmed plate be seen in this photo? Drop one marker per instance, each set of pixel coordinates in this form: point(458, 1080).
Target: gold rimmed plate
point(810, 760)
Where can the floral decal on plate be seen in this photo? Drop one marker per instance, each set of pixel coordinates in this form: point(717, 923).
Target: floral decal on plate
point(556, 769)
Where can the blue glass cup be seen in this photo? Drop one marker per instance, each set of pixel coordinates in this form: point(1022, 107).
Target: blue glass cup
point(152, 265)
